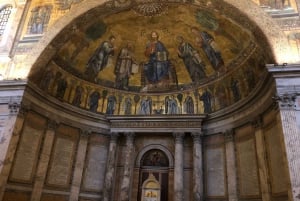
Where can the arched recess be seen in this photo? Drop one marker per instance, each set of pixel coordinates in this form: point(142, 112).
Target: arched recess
point(276, 39)
point(154, 146)
point(156, 161)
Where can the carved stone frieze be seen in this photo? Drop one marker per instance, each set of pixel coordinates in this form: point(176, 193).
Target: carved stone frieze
point(285, 101)
point(157, 124)
point(14, 107)
point(289, 24)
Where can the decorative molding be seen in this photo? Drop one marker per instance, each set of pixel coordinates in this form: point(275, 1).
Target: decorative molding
point(228, 134)
point(197, 136)
point(286, 101)
point(129, 136)
point(14, 107)
point(257, 123)
point(23, 110)
point(289, 24)
point(155, 146)
point(52, 125)
point(85, 133)
point(178, 137)
point(157, 124)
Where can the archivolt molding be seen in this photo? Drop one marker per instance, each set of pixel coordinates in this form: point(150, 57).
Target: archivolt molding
point(275, 36)
point(154, 146)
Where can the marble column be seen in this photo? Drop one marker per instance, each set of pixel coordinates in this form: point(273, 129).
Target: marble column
point(41, 172)
point(262, 160)
point(9, 142)
point(78, 171)
point(178, 169)
point(128, 165)
point(231, 166)
point(197, 167)
point(110, 168)
point(291, 138)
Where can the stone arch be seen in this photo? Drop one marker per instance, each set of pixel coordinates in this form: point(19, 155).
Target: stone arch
point(275, 37)
point(155, 146)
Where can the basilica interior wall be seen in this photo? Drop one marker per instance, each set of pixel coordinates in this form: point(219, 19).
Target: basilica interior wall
point(51, 160)
point(62, 160)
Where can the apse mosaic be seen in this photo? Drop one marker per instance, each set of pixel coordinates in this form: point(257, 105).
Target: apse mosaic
point(186, 59)
point(169, 53)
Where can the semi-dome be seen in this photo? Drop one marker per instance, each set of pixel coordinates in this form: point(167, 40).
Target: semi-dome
point(158, 53)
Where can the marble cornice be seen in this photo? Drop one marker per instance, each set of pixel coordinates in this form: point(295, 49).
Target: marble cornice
point(159, 123)
point(64, 112)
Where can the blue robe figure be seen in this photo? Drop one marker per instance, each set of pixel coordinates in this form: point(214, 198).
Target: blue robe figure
point(94, 98)
point(111, 105)
point(207, 102)
point(158, 64)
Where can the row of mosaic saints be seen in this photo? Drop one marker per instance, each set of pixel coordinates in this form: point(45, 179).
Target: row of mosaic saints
point(213, 97)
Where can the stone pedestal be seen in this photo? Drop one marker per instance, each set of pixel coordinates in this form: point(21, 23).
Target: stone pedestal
point(125, 185)
point(80, 159)
point(262, 160)
point(230, 166)
point(43, 162)
point(197, 167)
point(178, 167)
point(110, 168)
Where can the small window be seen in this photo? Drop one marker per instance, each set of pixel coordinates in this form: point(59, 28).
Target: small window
point(4, 15)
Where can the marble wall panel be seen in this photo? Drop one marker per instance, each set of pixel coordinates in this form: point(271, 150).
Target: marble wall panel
point(96, 166)
point(28, 149)
point(247, 168)
point(215, 172)
point(278, 173)
point(62, 158)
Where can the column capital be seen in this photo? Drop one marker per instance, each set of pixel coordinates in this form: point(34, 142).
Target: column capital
point(257, 123)
point(285, 101)
point(197, 136)
point(23, 110)
point(178, 137)
point(14, 108)
point(114, 136)
point(52, 124)
point(228, 134)
point(85, 133)
point(129, 135)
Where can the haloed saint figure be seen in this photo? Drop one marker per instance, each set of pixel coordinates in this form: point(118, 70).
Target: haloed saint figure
point(158, 64)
